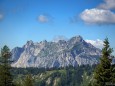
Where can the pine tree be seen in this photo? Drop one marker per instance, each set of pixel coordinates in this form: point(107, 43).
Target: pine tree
point(28, 80)
point(102, 73)
point(5, 75)
point(86, 79)
point(113, 74)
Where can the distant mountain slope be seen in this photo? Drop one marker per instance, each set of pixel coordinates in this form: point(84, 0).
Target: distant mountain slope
point(63, 53)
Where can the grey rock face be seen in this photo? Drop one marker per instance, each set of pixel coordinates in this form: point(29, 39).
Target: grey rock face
point(16, 52)
point(63, 53)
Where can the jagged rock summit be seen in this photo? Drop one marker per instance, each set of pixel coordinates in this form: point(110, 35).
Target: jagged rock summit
point(74, 51)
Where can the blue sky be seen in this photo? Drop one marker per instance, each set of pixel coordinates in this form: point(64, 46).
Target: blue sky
point(37, 20)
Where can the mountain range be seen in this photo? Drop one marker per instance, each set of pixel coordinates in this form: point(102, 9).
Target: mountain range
point(74, 51)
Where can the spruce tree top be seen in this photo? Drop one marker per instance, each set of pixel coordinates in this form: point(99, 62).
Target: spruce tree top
point(5, 52)
point(106, 51)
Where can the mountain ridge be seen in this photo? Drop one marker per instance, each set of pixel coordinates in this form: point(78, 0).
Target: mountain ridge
point(74, 51)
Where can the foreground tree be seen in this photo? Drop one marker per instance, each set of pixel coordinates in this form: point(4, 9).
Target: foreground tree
point(113, 74)
point(5, 75)
point(103, 72)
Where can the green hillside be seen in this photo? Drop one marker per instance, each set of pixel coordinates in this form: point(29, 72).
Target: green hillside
point(68, 76)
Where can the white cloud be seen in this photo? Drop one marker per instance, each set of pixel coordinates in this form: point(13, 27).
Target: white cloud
point(98, 16)
point(44, 18)
point(97, 43)
point(108, 4)
point(57, 38)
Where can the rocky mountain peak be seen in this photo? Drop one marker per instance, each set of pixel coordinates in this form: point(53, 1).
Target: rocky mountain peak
point(43, 42)
point(29, 42)
point(76, 39)
point(63, 53)
point(61, 41)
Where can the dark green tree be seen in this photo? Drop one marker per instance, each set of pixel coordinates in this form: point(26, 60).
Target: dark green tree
point(28, 80)
point(102, 74)
point(85, 79)
point(113, 74)
point(5, 67)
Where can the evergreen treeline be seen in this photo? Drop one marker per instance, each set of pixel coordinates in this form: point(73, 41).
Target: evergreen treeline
point(68, 76)
point(35, 71)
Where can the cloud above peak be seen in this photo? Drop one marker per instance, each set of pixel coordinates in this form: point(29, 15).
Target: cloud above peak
point(98, 16)
point(44, 18)
point(97, 43)
point(108, 4)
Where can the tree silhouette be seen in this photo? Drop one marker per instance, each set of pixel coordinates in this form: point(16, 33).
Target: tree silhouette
point(5, 67)
point(102, 73)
